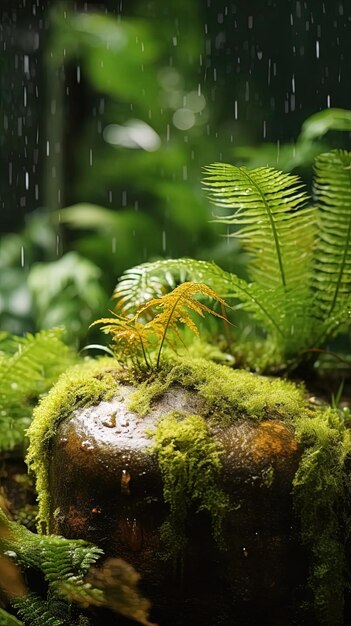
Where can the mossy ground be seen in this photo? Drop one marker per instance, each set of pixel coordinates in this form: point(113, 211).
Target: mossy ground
point(182, 443)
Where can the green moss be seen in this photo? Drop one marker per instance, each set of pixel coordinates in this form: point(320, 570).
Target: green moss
point(190, 465)
point(83, 385)
point(146, 394)
point(228, 393)
point(322, 496)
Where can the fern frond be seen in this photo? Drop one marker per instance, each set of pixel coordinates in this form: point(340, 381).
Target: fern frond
point(330, 326)
point(332, 267)
point(176, 307)
point(130, 337)
point(34, 611)
point(273, 223)
point(138, 285)
point(28, 368)
point(267, 310)
point(6, 619)
point(67, 567)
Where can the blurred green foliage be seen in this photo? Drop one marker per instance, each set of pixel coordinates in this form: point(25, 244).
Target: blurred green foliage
point(301, 154)
point(129, 125)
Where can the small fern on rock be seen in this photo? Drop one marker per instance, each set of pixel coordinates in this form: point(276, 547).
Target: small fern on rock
point(299, 287)
point(133, 338)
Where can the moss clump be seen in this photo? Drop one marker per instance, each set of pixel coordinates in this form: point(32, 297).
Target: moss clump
point(322, 493)
point(81, 386)
point(228, 393)
point(190, 465)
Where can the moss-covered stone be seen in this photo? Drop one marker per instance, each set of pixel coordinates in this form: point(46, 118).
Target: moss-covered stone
point(228, 394)
point(322, 496)
point(83, 385)
point(231, 427)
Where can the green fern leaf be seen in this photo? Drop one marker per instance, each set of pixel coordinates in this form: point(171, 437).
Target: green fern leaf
point(6, 619)
point(67, 567)
point(160, 276)
point(28, 368)
point(273, 224)
point(34, 611)
point(332, 267)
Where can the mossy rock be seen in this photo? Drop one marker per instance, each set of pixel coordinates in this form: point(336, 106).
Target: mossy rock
point(189, 477)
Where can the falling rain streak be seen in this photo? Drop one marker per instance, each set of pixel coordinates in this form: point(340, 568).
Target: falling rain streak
point(103, 116)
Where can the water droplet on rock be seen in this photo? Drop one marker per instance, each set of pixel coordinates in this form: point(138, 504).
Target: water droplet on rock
point(125, 480)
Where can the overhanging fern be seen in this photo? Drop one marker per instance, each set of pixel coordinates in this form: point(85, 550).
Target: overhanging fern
point(72, 576)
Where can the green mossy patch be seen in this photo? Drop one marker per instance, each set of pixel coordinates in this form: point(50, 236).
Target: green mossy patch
point(189, 460)
point(228, 394)
point(322, 496)
point(83, 385)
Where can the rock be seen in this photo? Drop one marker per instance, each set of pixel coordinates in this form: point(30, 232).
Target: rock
point(106, 486)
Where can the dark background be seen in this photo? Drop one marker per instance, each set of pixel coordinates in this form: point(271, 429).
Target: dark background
point(252, 52)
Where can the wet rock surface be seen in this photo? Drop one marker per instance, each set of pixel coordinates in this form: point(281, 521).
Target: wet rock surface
point(106, 487)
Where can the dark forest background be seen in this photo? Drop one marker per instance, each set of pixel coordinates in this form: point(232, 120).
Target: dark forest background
point(109, 111)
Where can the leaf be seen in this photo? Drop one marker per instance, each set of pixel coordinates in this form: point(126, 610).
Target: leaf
point(273, 224)
point(29, 367)
point(129, 335)
point(34, 611)
point(332, 264)
point(118, 56)
point(8, 620)
point(67, 567)
point(320, 123)
point(175, 309)
point(67, 291)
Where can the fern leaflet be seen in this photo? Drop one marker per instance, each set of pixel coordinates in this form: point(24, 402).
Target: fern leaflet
point(332, 266)
point(67, 567)
point(274, 225)
point(28, 368)
point(128, 334)
point(175, 309)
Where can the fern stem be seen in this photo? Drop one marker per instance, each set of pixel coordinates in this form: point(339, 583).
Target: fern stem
point(344, 257)
point(272, 223)
point(226, 328)
point(144, 353)
point(143, 350)
point(333, 354)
